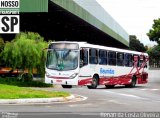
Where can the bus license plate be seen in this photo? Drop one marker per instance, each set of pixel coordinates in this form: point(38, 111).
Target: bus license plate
point(58, 81)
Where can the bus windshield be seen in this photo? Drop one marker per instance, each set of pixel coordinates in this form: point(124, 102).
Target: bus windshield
point(62, 59)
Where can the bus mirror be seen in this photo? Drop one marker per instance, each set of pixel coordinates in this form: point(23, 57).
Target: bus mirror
point(45, 49)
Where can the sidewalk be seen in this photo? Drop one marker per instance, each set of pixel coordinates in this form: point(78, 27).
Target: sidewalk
point(36, 100)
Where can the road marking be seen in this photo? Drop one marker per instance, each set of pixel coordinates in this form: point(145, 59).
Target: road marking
point(154, 89)
point(80, 105)
point(81, 97)
point(130, 95)
point(126, 95)
point(143, 89)
point(117, 102)
point(77, 98)
point(149, 89)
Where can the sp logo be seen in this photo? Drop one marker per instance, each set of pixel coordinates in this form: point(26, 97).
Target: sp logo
point(9, 23)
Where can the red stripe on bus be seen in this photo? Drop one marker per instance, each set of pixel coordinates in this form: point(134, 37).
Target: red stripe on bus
point(85, 81)
point(54, 77)
point(117, 80)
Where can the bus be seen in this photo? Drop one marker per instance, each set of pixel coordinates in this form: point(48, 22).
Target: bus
point(83, 64)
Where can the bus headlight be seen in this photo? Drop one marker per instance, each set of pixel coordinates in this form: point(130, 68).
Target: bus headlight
point(73, 75)
point(47, 74)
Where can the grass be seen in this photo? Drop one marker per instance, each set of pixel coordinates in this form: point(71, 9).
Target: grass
point(15, 92)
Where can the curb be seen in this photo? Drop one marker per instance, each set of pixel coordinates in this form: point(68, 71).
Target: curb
point(36, 100)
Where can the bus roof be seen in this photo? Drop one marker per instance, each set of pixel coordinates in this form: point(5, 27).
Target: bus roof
point(87, 45)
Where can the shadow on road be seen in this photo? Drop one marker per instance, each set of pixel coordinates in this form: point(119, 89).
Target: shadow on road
point(122, 87)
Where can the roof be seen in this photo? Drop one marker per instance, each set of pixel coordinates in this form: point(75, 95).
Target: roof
point(91, 12)
point(87, 45)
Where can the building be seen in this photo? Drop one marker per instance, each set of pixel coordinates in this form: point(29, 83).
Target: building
point(73, 20)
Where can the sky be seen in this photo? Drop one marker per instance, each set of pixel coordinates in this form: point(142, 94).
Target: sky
point(135, 16)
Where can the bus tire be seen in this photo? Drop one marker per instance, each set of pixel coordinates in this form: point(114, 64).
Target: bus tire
point(109, 86)
point(94, 83)
point(133, 82)
point(66, 86)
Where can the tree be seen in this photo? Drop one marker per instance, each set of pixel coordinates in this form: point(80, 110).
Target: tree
point(154, 55)
point(1, 44)
point(25, 52)
point(154, 33)
point(135, 44)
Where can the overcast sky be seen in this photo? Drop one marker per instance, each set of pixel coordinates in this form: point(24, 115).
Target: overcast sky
point(135, 16)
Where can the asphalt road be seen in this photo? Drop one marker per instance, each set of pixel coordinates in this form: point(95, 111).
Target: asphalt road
point(142, 98)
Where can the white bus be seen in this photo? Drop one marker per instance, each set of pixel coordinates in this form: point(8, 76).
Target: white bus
point(80, 63)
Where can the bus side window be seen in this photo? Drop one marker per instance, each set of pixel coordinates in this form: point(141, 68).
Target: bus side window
point(120, 59)
point(128, 58)
point(93, 56)
point(83, 57)
point(141, 60)
point(146, 58)
point(112, 58)
point(138, 63)
point(102, 57)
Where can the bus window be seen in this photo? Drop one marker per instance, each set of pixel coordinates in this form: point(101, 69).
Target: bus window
point(141, 60)
point(120, 59)
point(112, 58)
point(138, 63)
point(128, 60)
point(83, 57)
point(93, 56)
point(103, 57)
point(146, 58)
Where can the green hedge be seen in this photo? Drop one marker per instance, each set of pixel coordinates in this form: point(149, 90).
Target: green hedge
point(15, 81)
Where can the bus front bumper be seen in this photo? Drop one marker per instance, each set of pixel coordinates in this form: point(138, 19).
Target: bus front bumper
point(61, 81)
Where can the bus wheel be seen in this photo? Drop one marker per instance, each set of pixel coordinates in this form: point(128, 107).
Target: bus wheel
point(109, 86)
point(66, 86)
point(94, 83)
point(133, 83)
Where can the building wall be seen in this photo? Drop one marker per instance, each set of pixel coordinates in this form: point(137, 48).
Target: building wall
point(88, 10)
